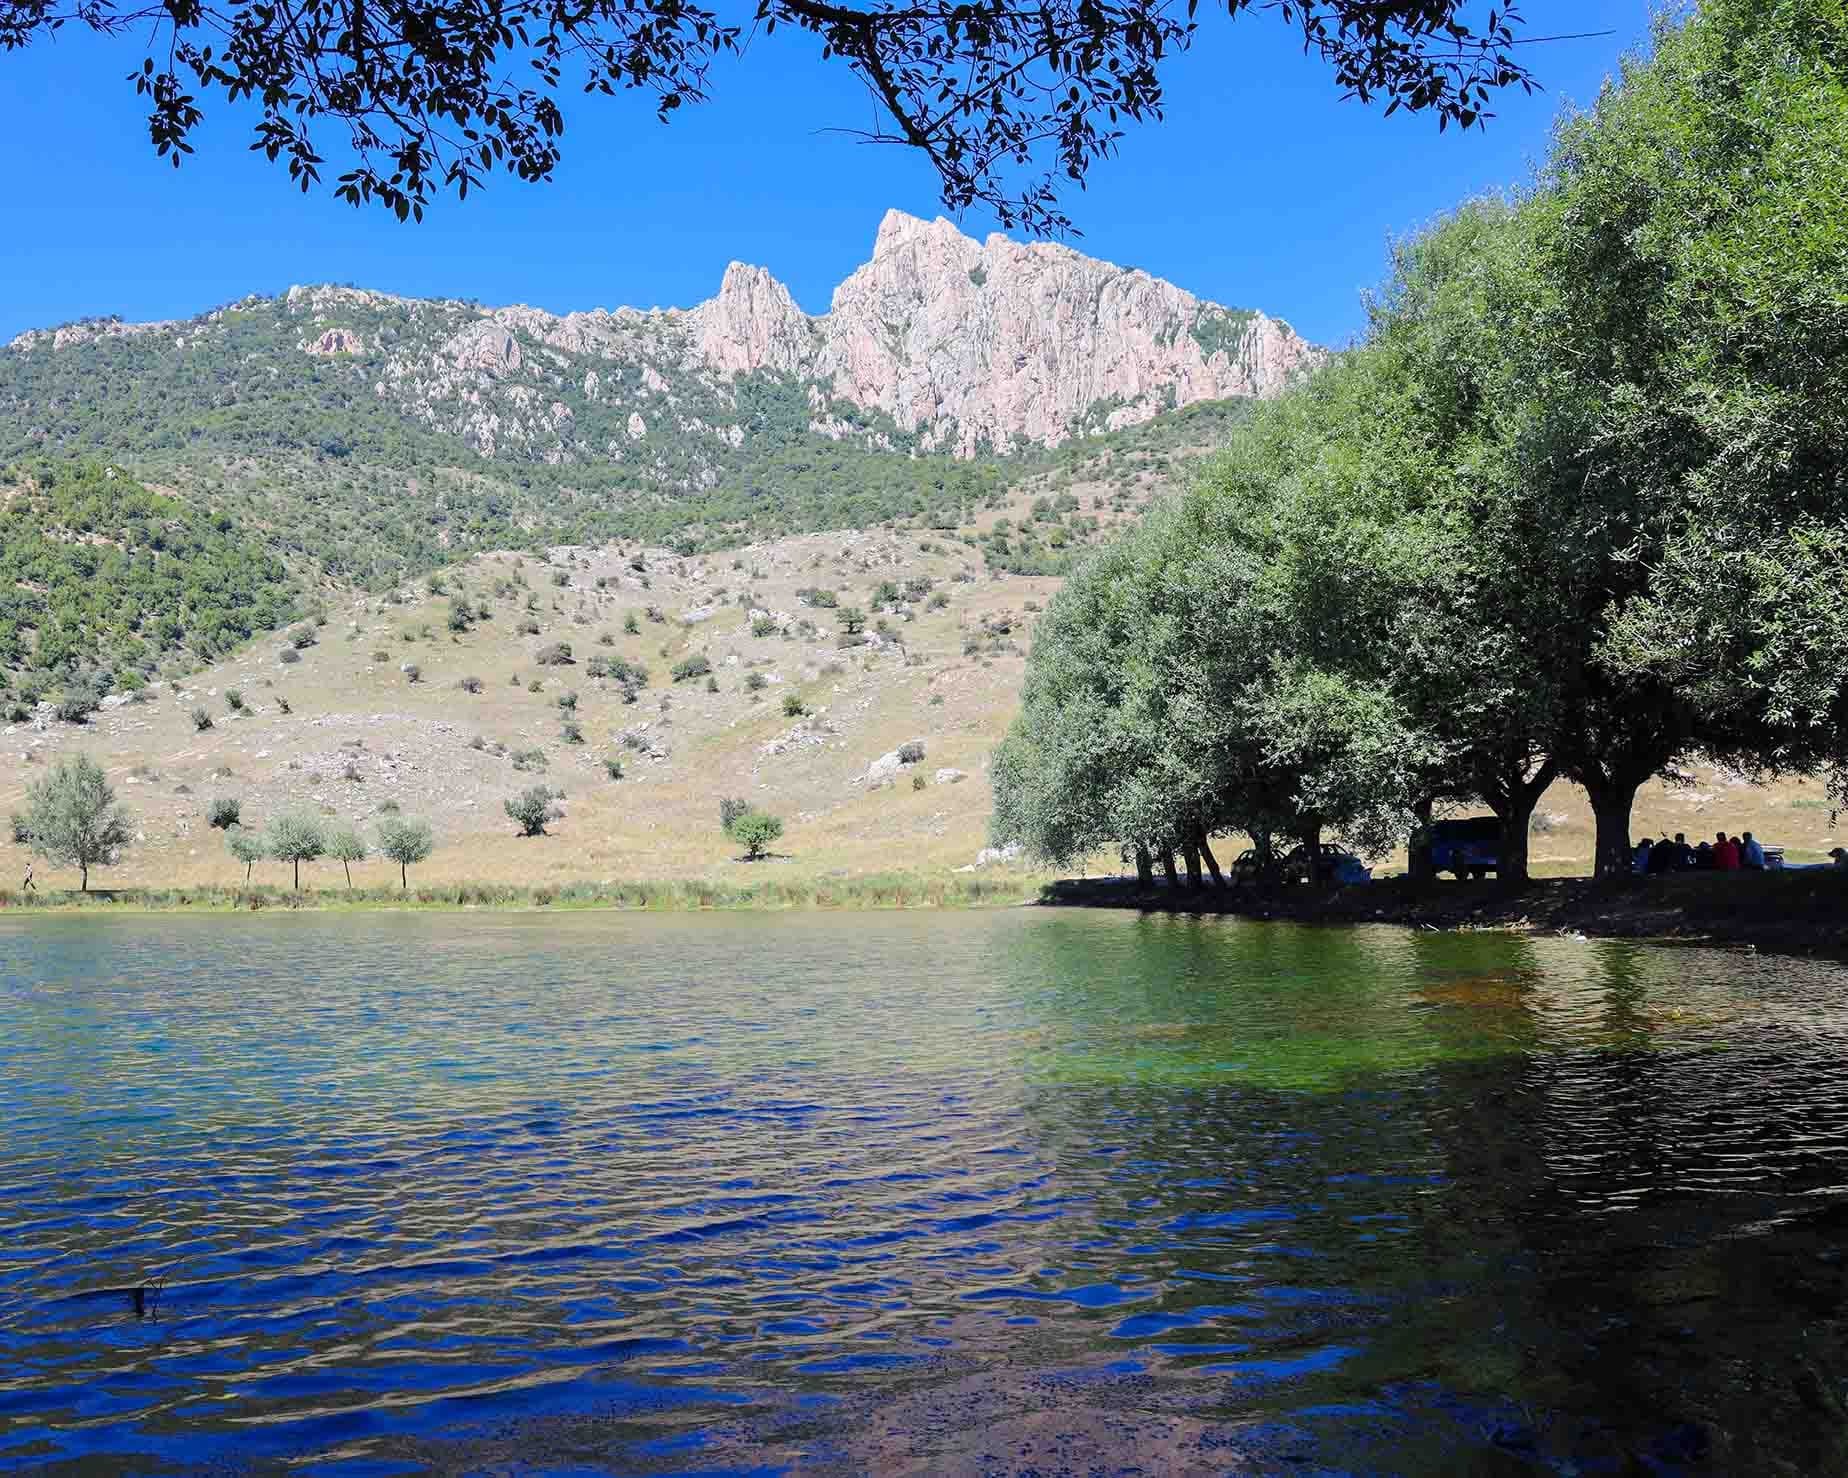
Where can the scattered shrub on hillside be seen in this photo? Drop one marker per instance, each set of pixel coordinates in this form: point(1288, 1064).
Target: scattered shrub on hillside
point(630, 625)
point(17, 713)
point(530, 759)
point(939, 601)
point(568, 701)
point(477, 742)
point(654, 614)
point(558, 654)
point(936, 700)
point(765, 626)
point(756, 830)
point(303, 637)
point(469, 684)
point(570, 732)
point(832, 669)
point(459, 615)
point(712, 684)
point(76, 706)
point(730, 809)
point(288, 656)
point(605, 638)
point(613, 767)
point(853, 621)
point(225, 811)
point(381, 656)
point(917, 780)
point(531, 808)
point(528, 627)
point(412, 672)
point(690, 667)
point(513, 680)
point(634, 741)
point(351, 772)
point(561, 577)
point(911, 753)
point(201, 720)
point(388, 808)
point(234, 700)
point(793, 706)
point(22, 831)
point(283, 704)
point(821, 600)
point(535, 686)
point(755, 682)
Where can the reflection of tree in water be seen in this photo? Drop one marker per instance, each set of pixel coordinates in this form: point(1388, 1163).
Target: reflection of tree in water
point(1653, 1211)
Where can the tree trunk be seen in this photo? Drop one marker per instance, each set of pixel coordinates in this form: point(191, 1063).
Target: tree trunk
point(247, 867)
point(1418, 854)
point(1212, 862)
point(347, 868)
point(298, 874)
point(1610, 805)
point(404, 881)
point(1167, 869)
point(83, 869)
point(1191, 855)
point(1145, 866)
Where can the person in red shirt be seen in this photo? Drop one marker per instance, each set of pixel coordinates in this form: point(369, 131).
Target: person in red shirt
point(1725, 854)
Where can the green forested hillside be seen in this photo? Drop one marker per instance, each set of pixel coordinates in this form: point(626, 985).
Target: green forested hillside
point(102, 581)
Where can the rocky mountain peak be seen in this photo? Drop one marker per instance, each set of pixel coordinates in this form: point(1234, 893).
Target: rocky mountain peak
point(752, 324)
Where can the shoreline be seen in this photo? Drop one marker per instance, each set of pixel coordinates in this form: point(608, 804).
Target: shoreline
point(1792, 913)
point(883, 891)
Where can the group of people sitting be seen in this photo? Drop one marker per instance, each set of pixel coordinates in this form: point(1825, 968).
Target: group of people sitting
point(1722, 854)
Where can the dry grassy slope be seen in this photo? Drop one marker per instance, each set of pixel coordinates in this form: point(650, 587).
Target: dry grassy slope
point(410, 743)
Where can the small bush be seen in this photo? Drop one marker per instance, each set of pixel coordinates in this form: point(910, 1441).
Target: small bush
point(234, 700)
point(910, 754)
point(568, 701)
point(388, 808)
point(530, 759)
point(531, 808)
point(412, 672)
point(917, 780)
point(381, 656)
point(225, 812)
point(691, 667)
point(21, 831)
point(757, 830)
point(764, 626)
point(613, 766)
point(793, 706)
point(303, 637)
point(630, 625)
point(477, 742)
point(288, 656)
point(469, 684)
point(76, 707)
point(604, 638)
point(730, 809)
point(755, 682)
point(571, 733)
point(283, 704)
point(528, 627)
point(558, 654)
point(201, 720)
point(535, 686)
point(712, 684)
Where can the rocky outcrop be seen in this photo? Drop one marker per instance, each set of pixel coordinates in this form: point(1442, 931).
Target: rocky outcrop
point(752, 324)
point(336, 341)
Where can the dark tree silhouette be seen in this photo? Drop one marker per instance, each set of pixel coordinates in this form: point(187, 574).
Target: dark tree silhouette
point(1008, 99)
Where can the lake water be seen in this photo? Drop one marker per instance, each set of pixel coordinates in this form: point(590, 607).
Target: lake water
point(1014, 1191)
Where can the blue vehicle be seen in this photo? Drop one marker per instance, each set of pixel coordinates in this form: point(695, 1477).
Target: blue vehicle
point(1469, 846)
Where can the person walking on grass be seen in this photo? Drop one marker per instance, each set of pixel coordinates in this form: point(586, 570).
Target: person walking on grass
point(28, 886)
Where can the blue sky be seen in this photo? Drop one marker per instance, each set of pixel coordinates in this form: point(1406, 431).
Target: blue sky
point(1263, 189)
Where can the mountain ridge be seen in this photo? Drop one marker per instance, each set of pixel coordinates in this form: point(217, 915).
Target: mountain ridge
point(947, 345)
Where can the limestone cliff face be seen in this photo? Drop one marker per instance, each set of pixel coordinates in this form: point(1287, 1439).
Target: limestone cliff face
point(1001, 342)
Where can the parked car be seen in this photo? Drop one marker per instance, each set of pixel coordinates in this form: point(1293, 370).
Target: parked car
point(1469, 846)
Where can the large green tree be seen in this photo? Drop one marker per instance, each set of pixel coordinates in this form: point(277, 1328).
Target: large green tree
point(72, 818)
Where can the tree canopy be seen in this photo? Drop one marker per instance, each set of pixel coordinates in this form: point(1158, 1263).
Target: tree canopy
point(72, 819)
point(441, 95)
point(1575, 506)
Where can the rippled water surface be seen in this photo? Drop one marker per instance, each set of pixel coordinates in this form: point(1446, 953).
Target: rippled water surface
point(965, 1192)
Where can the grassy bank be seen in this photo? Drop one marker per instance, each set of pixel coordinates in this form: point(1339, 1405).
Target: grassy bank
point(886, 890)
point(1789, 912)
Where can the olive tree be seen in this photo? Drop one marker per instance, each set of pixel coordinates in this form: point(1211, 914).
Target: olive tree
point(295, 838)
point(756, 830)
point(346, 846)
point(246, 847)
point(531, 808)
point(72, 819)
point(405, 841)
